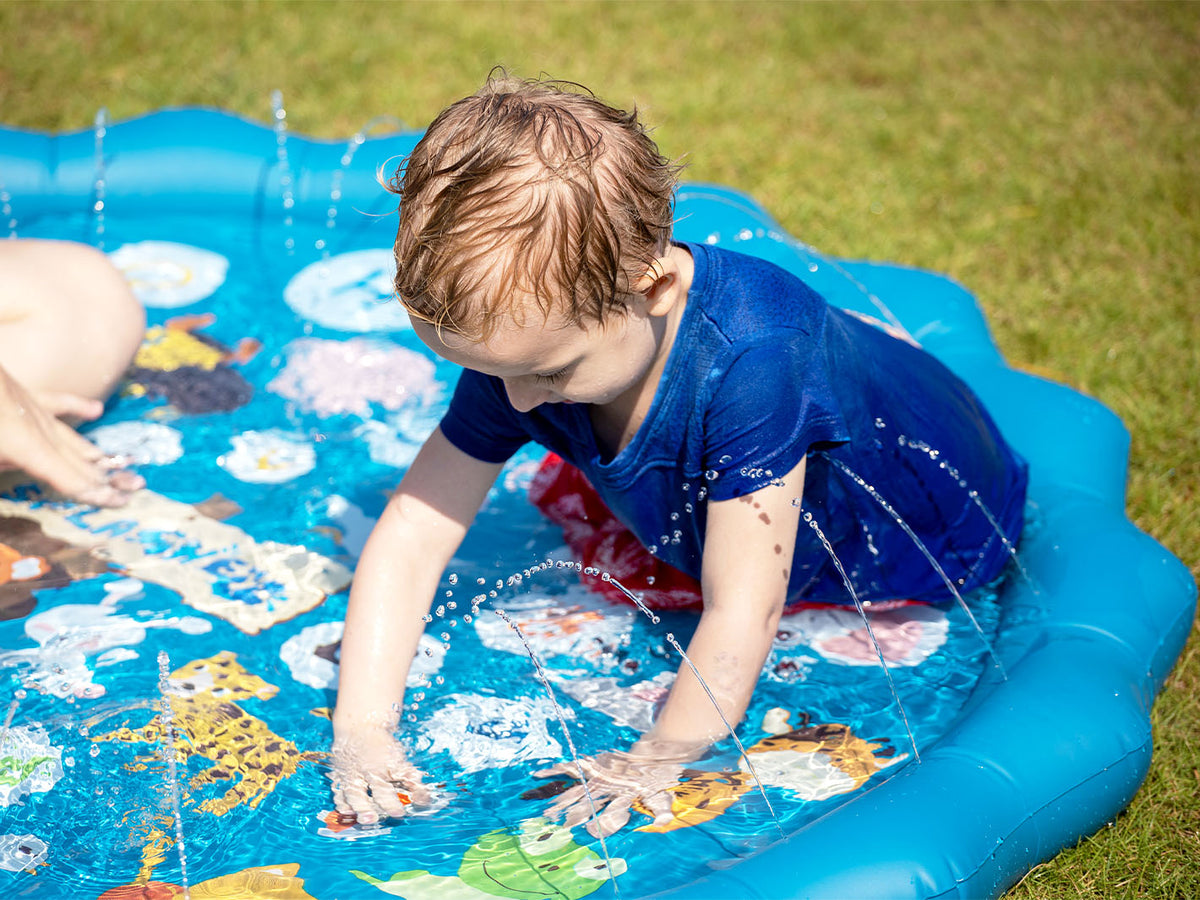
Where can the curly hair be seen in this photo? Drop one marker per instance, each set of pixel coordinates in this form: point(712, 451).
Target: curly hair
point(529, 189)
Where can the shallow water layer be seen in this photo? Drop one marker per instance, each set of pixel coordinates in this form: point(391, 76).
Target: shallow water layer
point(277, 399)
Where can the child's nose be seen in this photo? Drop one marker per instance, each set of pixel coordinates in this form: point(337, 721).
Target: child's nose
point(524, 394)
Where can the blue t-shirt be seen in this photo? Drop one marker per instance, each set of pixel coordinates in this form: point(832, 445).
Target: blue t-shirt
point(763, 372)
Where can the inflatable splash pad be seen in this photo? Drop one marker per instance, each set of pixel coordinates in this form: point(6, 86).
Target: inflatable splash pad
point(169, 667)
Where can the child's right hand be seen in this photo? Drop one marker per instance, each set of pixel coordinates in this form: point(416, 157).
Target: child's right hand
point(372, 778)
point(34, 438)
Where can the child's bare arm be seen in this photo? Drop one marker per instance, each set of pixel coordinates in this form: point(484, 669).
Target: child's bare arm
point(748, 548)
point(394, 584)
point(747, 560)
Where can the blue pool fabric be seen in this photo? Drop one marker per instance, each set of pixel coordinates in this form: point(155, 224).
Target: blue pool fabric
point(1034, 760)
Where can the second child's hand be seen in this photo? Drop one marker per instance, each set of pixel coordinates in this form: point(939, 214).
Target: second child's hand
point(34, 438)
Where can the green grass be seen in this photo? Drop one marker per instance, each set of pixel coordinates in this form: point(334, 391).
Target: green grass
point(1045, 155)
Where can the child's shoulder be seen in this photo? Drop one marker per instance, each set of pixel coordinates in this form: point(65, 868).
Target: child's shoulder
point(747, 298)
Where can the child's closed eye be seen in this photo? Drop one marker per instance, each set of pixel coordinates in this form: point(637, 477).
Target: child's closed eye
point(549, 377)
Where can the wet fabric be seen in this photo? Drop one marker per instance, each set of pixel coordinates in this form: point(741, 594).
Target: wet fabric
point(763, 372)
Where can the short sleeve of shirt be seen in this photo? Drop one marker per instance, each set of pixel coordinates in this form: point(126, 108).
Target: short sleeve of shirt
point(480, 421)
point(771, 403)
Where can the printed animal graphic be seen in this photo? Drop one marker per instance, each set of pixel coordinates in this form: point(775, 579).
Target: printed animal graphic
point(813, 761)
point(849, 754)
point(191, 370)
point(700, 798)
point(22, 853)
point(540, 861)
point(215, 567)
point(31, 560)
point(208, 723)
point(258, 883)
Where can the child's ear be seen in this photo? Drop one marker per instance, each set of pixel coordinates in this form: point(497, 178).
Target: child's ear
point(660, 286)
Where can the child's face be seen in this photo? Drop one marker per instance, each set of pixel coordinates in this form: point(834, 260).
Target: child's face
point(560, 362)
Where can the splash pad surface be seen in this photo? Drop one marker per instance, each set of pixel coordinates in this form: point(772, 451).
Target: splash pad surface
point(275, 401)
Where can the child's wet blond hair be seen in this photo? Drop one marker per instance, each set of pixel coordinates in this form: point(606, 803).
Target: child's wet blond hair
point(529, 189)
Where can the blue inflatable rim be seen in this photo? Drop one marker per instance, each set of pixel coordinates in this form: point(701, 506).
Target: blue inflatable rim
point(1035, 760)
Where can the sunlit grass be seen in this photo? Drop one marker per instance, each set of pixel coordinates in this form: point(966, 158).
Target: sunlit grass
point(1044, 155)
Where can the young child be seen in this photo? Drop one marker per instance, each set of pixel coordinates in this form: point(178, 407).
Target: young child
point(705, 395)
point(69, 327)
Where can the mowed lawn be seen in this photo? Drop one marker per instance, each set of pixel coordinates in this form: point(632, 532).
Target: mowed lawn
point(1044, 155)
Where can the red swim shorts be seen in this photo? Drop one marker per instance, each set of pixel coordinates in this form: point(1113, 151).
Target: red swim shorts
point(599, 541)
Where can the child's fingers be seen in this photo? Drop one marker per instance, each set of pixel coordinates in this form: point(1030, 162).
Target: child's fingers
point(658, 805)
point(72, 442)
point(354, 800)
point(107, 495)
point(406, 777)
point(61, 403)
point(578, 814)
point(559, 769)
point(126, 481)
point(566, 801)
point(79, 469)
point(383, 796)
point(614, 817)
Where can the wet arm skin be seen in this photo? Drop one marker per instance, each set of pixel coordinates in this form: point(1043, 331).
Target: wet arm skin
point(747, 562)
point(394, 584)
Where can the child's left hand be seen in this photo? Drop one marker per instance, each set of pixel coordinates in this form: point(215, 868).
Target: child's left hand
point(615, 781)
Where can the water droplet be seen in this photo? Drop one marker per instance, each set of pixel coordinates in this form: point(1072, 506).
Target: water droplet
point(712, 474)
point(94, 752)
point(445, 635)
point(879, 423)
point(453, 579)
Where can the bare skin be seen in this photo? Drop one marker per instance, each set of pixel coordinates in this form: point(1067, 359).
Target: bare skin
point(615, 369)
point(69, 327)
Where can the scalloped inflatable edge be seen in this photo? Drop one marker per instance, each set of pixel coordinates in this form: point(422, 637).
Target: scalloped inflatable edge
point(1032, 763)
